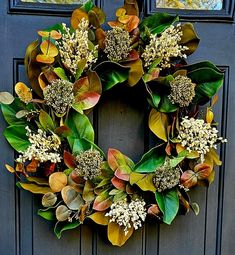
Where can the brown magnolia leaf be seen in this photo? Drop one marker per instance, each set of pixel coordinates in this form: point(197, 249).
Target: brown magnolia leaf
point(133, 23)
point(20, 167)
point(69, 160)
point(116, 234)
point(57, 181)
point(188, 179)
point(77, 16)
point(49, 199)
point(6, 98)
point(23, 92)
point(102, 202)
point(131, 7)
point(99, 218)
point(42, 81)
point(100, 37)
point(32, 166)
point(33, 68)
point(214, 100)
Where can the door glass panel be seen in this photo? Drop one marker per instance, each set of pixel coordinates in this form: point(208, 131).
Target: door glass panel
point(55, 1)
point(191, 4)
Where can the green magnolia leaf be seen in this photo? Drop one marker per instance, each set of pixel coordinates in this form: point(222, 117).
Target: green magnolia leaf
point(150, 161)
point(166, 105)
point(17, 138)
point(63, 226)
point(208, 79)
point(168, 203)
point(46, 121)
point(156, 24)
point(61, 73)
point(80, 127)
point(48, 214)
point(88, 5)
point(9, 112)
point(81, 145)
point(111, 74)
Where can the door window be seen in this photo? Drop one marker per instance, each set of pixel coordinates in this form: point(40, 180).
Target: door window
point(55, 1)
point(190, 4)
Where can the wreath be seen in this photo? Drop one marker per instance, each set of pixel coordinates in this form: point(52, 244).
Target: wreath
point(68, 69)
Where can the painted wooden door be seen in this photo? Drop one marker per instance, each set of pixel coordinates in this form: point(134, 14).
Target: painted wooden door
point(120, 122)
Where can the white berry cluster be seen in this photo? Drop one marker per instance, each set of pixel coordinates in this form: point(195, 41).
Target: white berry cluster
point(197, 135)
point(43, 147)
point(164, 47)
point(127, 214)
point(74, 47)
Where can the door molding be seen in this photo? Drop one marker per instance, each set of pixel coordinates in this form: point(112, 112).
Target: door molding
point(18, 7)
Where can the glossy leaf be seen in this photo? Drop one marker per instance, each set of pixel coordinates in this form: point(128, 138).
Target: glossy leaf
point(156, 24)
point(189, 38)
point(144, 181)
point(118, 183)
point(99, 218)
point(168, 203)
point(47, 214)
point(88, 194)
point(150, 161)
point(63, 226)
point(69, 160)
point(102, 202)
point(208, 79)
point(32, 67)
point(136, 72)
point(158, 123)
point(80, 127)
point(34, 188)
point(60, 72)
point(111, 74)
point(46, 121)
point(17, 138)
point(116, 234)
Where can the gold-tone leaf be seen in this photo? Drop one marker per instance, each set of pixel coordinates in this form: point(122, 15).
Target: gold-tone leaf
point(144, 181)
point(135, 73)
point(158, 123)
point(34, 188)
point(124, 19)
point(99, 218)
point(116, 234)
point(42, 81)
point(209, 115)
point(23, 92)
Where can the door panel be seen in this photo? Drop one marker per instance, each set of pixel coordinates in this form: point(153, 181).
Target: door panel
point(120, 122)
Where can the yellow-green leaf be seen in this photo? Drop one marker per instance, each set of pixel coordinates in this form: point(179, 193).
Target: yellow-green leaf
point(34, 188)
point(158, 123)
point(144, 181)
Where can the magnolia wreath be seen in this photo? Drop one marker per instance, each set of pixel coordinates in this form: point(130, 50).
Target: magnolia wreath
point(68, 69)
